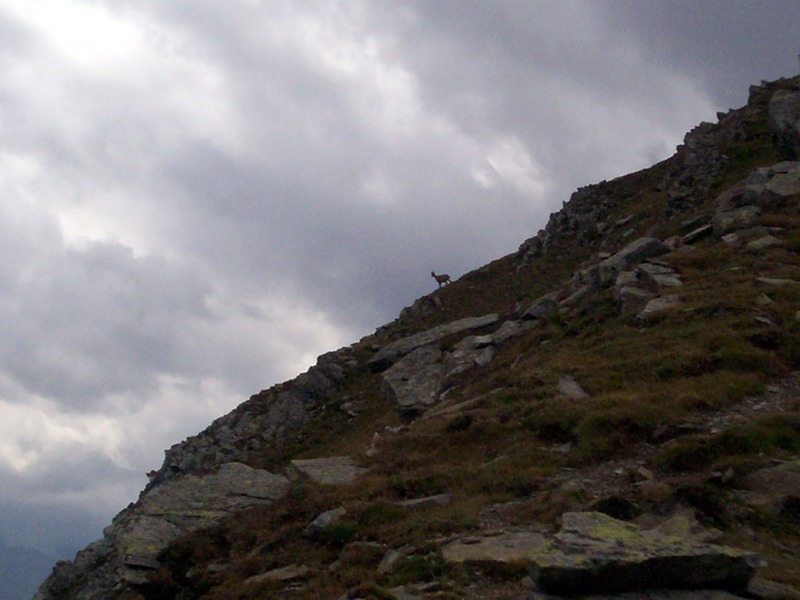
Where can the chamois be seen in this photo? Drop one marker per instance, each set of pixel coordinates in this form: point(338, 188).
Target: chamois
point(442, 279)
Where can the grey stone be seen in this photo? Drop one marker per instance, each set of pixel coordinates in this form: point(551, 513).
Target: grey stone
point(414, 382)
point(579, 293)
point(736, 196)
point(697, 234)
point(776, 484)
point(472, 342)
point(132, 543)
point(737, 218)
point(464, 359)
point(777, 282)
point(287, 573)
point(389, 561)
point(327, 518)
point(439, 499)
point(779, 189)
point(444, 410)
point(762, 243)
point(784, 122)
point(733, 240)
point(595, 553)
point(541, 307)
point(484, 356)
point(634, 253)
point(391, 352)
point(657, 276)
point(510, 329)
point(597, 276)
point(764, 589)
point(786, 166)
point(337, 470)
point(503, 549)
point(625, 279)
point(764, 300)
point(571, 388)
point(664, 594)
point(657, 306)
point(759, 176)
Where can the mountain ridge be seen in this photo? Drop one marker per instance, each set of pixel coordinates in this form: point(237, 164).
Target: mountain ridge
point(561, 358)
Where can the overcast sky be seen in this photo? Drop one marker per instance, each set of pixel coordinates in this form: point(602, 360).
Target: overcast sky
point(199, 197)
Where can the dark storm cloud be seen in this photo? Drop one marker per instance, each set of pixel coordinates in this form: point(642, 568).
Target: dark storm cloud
point(725, 46)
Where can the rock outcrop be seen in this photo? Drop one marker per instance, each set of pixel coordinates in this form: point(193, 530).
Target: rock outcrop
point(267, 418)
point(594, 553)
point(396, 350)
point(131, 545)
point(784, 121)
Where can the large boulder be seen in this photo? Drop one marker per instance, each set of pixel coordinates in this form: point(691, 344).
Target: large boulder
point(634, 253)
point(656, 276)
point(658, 306)
point(777, 487)
point(594, 553)
point(191, 503)
point(541, 307)
point(413, 383)
point(503, 549)
point(131, 545)
point(784, 122)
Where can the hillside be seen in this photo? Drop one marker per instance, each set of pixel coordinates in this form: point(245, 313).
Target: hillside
point(631, 375)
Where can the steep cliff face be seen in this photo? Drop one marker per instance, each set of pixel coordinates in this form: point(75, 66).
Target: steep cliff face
point(615, 363)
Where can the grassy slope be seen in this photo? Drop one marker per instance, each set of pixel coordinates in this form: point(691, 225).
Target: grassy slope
point(643, 380)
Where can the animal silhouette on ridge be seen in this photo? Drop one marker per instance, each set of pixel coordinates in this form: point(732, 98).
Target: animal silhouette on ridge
point(442, 279)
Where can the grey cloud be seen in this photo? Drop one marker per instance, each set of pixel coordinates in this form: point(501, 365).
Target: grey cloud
point(725, 46)
point(53, 529)
point(86, 324)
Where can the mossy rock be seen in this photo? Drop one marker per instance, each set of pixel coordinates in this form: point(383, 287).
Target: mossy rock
point(596, 553)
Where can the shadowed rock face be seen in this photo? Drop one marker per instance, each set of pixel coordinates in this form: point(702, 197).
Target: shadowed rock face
point(784, 121)
point(595, 553)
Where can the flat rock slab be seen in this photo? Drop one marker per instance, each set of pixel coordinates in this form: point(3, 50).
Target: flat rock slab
point(391, 352)
point(440, 499)
point(338, 470)
point(571, 388)
point(413, 383)
point(634, 253)
point(656, 306)
point(657, 276)
point(777, 282)
point(503, 549)
point(596, 553)
point(176, 508)
point(288, 573)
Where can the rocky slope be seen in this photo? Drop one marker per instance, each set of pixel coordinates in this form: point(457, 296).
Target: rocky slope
point(612, 409)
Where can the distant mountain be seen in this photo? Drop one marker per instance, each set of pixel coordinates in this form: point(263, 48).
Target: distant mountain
point(21, 572)
point(631, 375)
